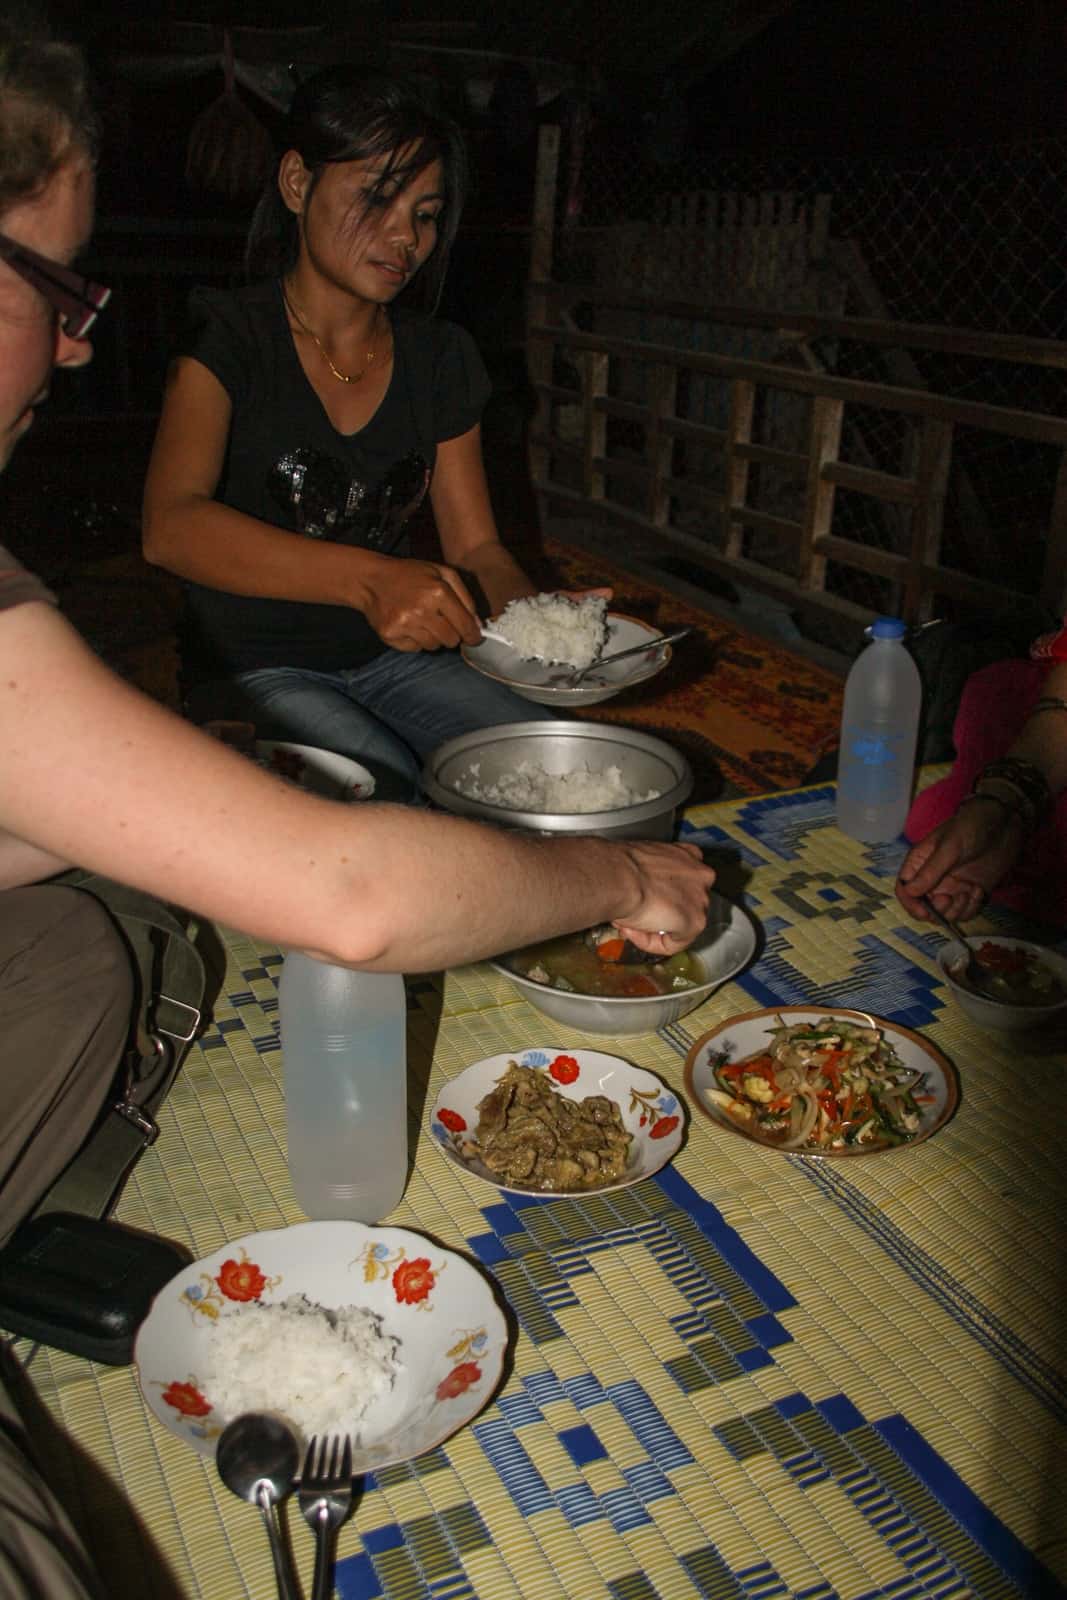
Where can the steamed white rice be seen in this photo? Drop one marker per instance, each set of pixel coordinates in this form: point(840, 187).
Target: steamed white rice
point(319, 1367)
point(550, 627)
point(530, 788)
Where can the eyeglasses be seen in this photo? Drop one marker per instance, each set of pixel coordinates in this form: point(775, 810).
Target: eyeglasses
point(77, 300)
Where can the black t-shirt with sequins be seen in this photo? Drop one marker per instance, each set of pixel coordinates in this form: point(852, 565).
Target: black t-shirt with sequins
point(287, 464)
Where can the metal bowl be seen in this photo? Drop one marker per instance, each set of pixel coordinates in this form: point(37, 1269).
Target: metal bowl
point(726, 945)
point(560, 747)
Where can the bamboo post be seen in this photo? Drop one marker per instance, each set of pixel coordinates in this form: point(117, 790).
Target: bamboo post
point(931, 484)
point(825, 443)
point(659, 446)
point(540, 351)
point(736, 468)
point(594, 423)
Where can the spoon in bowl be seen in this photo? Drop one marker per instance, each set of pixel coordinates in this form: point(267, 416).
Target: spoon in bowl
point(258, 1458)
point(973, 973)
point(634, 650)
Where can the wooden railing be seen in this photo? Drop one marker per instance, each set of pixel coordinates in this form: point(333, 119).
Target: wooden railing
point(645, 487)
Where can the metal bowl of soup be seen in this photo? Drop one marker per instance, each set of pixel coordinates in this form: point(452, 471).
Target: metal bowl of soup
point(485, 774)
point(725, 948)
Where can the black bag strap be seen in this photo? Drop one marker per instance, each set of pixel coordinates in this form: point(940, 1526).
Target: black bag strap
point(171, 984)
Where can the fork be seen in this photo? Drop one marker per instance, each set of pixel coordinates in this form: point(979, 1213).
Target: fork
point(325, 1497)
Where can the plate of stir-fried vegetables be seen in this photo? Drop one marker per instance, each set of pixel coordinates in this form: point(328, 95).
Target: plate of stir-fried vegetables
point(815, 1081)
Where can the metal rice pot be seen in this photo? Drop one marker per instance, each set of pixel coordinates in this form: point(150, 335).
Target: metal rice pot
point(562, 747)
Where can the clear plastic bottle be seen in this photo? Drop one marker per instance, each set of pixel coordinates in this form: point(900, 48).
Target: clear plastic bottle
point(879, 728)
point(344, 1046)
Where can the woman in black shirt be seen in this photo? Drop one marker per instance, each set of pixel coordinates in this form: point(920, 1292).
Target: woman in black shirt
point(305, 419)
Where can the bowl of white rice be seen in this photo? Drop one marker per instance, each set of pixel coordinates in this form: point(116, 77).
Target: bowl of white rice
point(552, 639)
point(380, 1333)
point(562, 777)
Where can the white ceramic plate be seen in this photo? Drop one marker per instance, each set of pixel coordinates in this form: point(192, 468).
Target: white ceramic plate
point(453, 1336)
point(744, 1035)
point(545, 684)
point(319, 771)
point(652, 1114)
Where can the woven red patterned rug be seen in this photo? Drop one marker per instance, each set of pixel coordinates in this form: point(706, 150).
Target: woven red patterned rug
point(749, 714)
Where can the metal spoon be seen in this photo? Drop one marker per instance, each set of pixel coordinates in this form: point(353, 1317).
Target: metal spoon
point(258, 1458)
point(973, 972)
point(634, 650)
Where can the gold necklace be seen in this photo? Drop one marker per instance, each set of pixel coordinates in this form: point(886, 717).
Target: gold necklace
point(342, 377)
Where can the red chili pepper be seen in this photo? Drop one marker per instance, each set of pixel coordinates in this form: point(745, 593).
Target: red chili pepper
point(999, 958)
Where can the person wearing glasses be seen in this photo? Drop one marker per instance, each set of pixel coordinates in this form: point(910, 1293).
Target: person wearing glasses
point(96, 774)
point(305, 419)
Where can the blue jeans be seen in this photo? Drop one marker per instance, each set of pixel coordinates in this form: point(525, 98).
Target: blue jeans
point(389, 714)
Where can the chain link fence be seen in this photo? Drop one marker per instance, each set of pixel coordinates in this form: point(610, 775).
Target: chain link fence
point(968, 239)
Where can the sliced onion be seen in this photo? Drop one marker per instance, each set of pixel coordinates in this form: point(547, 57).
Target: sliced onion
point(807, 1121)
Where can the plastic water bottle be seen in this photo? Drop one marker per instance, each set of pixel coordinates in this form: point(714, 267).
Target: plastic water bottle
point(879, 728)
point(344, 1043)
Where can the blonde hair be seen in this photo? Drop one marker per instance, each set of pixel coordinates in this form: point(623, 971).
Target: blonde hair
point(45, 109)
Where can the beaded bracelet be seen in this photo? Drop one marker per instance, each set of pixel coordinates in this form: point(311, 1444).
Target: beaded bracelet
point(1024, 778)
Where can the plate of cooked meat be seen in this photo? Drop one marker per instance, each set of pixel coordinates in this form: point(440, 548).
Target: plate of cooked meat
point(550, 1121)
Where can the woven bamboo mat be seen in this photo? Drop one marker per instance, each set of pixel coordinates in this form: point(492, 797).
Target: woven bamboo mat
point(753, 1375)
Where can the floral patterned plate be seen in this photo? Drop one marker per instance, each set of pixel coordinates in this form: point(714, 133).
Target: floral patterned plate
point(652, 1114)
point(452, 1333)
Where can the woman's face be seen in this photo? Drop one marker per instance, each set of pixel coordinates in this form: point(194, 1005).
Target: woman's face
point(366, 240)
point(56, 223)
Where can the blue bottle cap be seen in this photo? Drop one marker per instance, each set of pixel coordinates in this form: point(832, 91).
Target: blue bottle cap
point(887, 628)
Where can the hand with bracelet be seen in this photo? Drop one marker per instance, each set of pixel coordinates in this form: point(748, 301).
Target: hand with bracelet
point(960, 862)
point(964, 859)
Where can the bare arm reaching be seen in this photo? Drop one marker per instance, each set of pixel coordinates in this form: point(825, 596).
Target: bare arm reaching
point(97, 774)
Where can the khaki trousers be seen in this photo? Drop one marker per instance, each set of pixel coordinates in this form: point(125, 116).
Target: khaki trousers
point(66, 1000)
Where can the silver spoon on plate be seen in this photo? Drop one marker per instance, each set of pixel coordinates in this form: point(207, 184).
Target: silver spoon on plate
point(655, 643)
point(258, 1458)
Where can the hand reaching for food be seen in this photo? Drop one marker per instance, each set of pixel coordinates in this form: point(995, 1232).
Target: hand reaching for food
point(674, 886)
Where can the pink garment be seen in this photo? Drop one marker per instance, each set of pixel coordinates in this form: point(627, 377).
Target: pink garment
point(992, 710)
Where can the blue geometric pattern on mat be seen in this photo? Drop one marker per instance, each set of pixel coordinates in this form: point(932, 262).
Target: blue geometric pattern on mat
point(963, 1504)
point(908, 1496)
point(709, 838)
point(879, 980)
point(910, 1499)
point(781, 822)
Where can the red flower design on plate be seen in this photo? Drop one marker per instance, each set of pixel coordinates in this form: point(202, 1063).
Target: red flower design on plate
point(413, 1281)
point(452, 1120)
point(241, 1280)
point(663, 1127)
point(458, 1380)
point(186, 1398)
point(564, 1069)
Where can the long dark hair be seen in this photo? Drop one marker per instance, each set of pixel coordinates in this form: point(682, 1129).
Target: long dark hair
point(350, 113)
point(45, 109)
